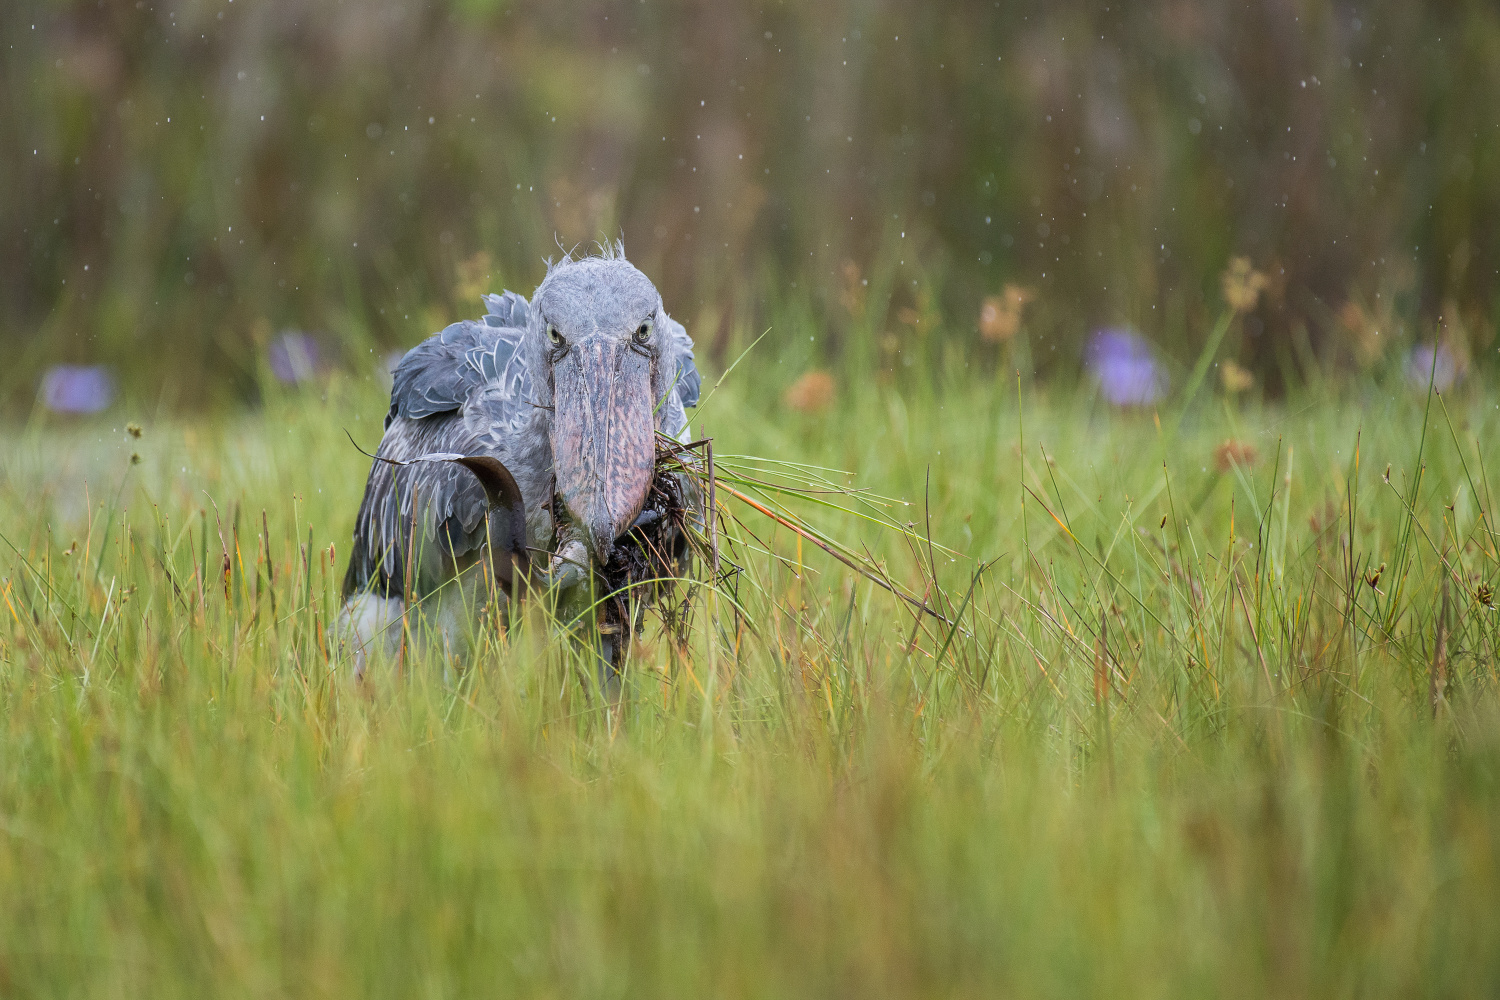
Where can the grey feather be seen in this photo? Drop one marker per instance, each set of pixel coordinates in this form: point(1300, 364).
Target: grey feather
point(440, 374)
point(689, 382)
point(433, 377)
point(451, 502)
point(507, 309)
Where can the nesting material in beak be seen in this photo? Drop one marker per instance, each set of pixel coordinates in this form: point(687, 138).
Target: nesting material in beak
point(603, 438)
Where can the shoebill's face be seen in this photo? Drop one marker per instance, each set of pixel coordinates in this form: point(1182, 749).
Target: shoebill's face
point(596, 338)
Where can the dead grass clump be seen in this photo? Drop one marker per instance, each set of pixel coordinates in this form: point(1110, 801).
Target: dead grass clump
point(653, 556)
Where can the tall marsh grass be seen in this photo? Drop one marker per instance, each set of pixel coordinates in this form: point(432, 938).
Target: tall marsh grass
point(1207, 707)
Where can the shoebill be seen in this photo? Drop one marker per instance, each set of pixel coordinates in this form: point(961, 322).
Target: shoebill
point(566, 392)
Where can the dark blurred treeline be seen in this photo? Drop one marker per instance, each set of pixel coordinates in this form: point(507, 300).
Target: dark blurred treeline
point(181, 180)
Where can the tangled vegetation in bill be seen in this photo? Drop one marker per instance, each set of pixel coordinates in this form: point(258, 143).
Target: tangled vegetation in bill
point(1173, 704)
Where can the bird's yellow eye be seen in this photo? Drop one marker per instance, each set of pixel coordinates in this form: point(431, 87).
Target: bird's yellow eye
point(555, 336)
point(643, 332)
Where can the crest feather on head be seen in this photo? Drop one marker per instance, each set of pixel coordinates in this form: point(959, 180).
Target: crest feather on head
point(607, 250)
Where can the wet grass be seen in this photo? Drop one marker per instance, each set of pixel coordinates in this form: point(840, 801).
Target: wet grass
point(1210, 710)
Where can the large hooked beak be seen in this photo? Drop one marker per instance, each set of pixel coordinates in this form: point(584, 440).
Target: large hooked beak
point(603, 438)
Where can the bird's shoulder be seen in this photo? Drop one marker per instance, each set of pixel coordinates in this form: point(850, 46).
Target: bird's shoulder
point(689, 381)
point(443, 372)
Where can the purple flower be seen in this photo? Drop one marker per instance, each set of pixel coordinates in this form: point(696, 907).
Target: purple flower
point(77, 388)
point(1431, 363)
point(294, 357)
point(1127, 372)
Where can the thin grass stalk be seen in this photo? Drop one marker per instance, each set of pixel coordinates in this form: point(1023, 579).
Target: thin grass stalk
point(1437, 674)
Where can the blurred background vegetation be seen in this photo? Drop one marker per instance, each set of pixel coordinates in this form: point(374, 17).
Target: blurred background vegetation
point(181, 182)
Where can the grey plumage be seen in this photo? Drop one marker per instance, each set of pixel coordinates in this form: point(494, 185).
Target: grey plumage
point(486, 387)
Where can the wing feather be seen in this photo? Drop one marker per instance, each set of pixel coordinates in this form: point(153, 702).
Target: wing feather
point(469, 365)
point(507, 309)
point(449, 502)
point(689, 382)
point(440, 373)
